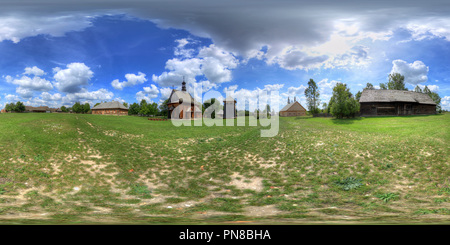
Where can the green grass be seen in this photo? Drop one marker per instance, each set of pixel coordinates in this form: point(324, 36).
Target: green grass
point(84, 168)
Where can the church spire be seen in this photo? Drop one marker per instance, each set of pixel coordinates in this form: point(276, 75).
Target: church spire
point(183, 87)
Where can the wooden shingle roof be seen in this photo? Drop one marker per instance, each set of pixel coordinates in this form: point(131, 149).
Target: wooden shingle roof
point(288, 106)
point(110, 105)
point(386, 95)
point(176, 95)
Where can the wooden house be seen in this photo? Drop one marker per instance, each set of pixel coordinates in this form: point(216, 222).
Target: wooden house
point(384, 102)
point(110, 108)
point(188, 107)
point(293, 109)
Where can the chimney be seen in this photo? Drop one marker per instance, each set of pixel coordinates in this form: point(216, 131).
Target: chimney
point(289, 101)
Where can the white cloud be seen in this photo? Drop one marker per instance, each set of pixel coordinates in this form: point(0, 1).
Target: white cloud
point(415, 73)
point(148, 94)
point(34, 71)
point(165, 93)
point(24, 92)
point(132, 79)
point(213, 63)
point(12, 98)
point(71, 79)
point(292, 58)
point(18, 26)
point(85, 95)
point(445, 103)
point(32, 84)
point(51, 97)
point(432, 88)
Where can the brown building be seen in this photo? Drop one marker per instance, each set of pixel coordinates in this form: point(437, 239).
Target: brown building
point(41, 109)
point(384, 102)
point(294, 109)
point(3, 111)
point(184, 104)
point(110, 108)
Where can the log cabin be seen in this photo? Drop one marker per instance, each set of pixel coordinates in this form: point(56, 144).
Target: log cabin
point(110, 108)
point(384, 102)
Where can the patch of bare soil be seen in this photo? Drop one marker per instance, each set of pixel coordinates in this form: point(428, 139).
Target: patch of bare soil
point(241, 182)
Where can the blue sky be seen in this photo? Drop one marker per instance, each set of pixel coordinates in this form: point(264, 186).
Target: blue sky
point(135, 50)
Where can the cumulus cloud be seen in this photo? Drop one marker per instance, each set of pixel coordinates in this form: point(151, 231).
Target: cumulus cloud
point(32, 84)
point(432, 88)
point(212, 63)
point(249, 26)
point(415, 73)
point(132, 79)
point(85, 95)
point(445, 103)
point(148, 94)
point(71, 79)
point(34, 71)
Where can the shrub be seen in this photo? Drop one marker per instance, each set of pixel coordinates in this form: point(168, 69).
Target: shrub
point(348, 183)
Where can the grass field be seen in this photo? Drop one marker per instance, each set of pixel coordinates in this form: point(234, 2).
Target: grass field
point(88, 169)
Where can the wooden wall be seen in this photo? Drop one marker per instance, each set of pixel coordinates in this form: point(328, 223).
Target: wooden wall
point(395, 109)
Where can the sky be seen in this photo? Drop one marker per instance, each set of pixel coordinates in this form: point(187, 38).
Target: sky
point(55, 53)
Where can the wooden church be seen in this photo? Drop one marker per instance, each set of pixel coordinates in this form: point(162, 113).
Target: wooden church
point(190, 109)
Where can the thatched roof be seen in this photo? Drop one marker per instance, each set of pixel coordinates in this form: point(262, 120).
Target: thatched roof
point(110, 105)
point(386, 95)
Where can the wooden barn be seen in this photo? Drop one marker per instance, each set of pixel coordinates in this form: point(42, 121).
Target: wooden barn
point(110, 108)
point(190, 109)
point(294, 109)
point(384, 102)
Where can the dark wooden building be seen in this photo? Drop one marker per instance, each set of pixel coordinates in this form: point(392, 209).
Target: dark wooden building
point(384, 102)
point(110, 108)
point(188, 107)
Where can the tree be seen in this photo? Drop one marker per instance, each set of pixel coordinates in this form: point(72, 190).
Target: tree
point(396, 82)
point(369, 86)
point(152, 109)
point(435, 97)
point(324, 107)
point(383, 86)
point(358, 95)
point(163, 108)
point(418, 89)
point(77, 107)
point(342, 102)
point(214, 106)
point(86, 108)
point(426, 90)
point(9, 107)
point(134, 109)
point(19, 107)
point(143, 109)
point(125, 104)
point(312, 97)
